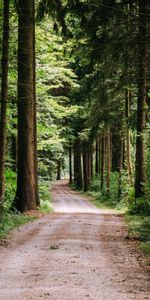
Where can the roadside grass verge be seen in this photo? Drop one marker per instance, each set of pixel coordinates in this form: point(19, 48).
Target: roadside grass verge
point(139, 228)
point(45, 196)
point(98, 201)
point(13, 220)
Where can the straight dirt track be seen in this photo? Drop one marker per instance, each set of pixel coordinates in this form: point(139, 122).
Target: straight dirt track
point(76, 253)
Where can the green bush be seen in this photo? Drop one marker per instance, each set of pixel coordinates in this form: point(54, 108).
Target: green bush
point(12, 220)
point(139, 227)
point(115, 200)
point(140, 206)
point(10, 189)
point(45, 196)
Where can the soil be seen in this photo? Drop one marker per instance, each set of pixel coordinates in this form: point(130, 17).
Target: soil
point(77, 253)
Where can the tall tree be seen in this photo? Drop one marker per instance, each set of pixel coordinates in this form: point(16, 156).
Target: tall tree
point(103, 160)
point(108, 157)
point(35, 110)
point(3, 97)
point(26, 194)
point(70, 164)
point(141, 101)
point(77, 164)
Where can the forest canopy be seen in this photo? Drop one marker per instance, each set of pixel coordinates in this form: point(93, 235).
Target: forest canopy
point(75, 100)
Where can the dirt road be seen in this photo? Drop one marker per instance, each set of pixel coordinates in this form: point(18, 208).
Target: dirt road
point(77, 253)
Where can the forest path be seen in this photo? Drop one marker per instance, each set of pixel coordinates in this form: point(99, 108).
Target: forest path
point(72, 256)
point(66, 200)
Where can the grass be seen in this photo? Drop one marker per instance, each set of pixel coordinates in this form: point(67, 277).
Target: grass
point(145, 247)
point(13, 220)
point(102, 203)
point(45, 197)
point(139, 228)
point(97, 201)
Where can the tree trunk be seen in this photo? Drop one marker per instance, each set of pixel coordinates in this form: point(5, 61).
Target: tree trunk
point(120, 166)
point(100, 152)
point(3, 99)
point(26, 194)
point(97, 157)
point(77, 165)
point(115, 147)
point(90, 163)
point(108, 159)
point(59, 169)
point(141, 102)
point(128, 150)
point(103, 161)
point(34, 112)
point(85, 169)
point(70, 164)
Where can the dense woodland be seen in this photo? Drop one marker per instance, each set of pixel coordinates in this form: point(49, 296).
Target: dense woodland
point(75, 100)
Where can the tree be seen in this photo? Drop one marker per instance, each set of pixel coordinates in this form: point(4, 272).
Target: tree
point(77, 164)
point(140, 176)
point(3, 98)
point(26, 194)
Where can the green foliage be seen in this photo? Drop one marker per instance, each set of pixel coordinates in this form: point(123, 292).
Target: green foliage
point(102, 200)
point(55, 82)
point(145, 247)
point(45, 196)
point(110, 199)
point(126, 199)
point(10, 189)
point(139, 226)
point(140, 205)
point(12, 220)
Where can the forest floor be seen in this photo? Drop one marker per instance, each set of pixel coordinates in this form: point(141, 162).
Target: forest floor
point(78, 252)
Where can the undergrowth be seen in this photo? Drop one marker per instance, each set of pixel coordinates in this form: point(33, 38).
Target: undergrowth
point(139, 228)
point(45, 196)
point(10, 219)
point(110, 200)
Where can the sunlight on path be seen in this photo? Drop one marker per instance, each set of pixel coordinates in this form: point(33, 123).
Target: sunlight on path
point(66, 200)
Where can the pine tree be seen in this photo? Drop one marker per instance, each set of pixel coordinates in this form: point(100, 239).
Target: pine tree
point(26, 194)
point(3, 98)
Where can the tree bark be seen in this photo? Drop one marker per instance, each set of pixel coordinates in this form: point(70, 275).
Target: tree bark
point(90, 162)
point(115, 147)
point(85, 168)
point(140, 176)
point(100, 152)
point(34, 112)
point(108, 159)
point(3, 99)
point(77, 164)
point(97, 157)
point(70, 164)
point(26, 194)
point(59, 169)
point(120, 166)
point(103, 160)
point(128, 150)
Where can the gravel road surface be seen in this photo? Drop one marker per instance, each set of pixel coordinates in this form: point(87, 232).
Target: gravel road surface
point(76, 253)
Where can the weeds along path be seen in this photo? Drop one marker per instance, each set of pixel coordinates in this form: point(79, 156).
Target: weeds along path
point(76, 253)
